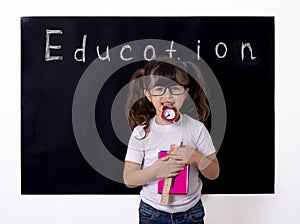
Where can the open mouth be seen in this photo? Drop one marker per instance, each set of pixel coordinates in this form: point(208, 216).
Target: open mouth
point(168, 104)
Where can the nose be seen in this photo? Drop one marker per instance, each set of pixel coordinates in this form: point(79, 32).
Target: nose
point(168, 92)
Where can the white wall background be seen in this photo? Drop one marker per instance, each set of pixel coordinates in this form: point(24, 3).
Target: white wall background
point(221, 209)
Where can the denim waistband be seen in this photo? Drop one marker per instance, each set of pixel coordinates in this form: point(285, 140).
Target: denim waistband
point(154, 210)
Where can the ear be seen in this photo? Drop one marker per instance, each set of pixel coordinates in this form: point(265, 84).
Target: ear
point(148, 95)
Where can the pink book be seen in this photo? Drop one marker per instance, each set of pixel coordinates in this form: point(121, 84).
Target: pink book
point(181, 182)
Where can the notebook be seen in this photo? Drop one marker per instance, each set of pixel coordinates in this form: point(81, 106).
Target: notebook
point(181, 182)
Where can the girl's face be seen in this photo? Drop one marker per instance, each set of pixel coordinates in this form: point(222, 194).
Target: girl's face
point(172, 96)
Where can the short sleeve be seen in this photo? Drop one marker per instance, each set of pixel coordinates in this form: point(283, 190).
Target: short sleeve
point(135, 150)
point(204, 143)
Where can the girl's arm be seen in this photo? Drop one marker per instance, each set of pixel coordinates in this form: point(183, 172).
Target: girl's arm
point(134, 176)
point(208, 166)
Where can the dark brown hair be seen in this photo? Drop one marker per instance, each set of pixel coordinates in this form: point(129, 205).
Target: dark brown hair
point(158, 72)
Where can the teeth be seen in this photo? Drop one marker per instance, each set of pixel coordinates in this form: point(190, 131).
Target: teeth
point(168, 104)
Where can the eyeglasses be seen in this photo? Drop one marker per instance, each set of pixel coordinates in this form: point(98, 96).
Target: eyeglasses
point(161, 90)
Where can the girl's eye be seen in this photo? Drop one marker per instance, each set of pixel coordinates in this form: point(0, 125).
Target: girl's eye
point(158, 88)
point(175, 88)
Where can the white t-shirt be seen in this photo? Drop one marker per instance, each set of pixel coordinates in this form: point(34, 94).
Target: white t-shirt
point(145, 151)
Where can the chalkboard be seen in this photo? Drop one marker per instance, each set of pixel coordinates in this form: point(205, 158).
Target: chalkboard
point(57, 52)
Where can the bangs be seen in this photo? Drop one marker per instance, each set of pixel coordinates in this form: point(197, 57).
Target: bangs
point(166, 74)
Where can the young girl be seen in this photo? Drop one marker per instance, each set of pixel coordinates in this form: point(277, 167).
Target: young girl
point(166, 84)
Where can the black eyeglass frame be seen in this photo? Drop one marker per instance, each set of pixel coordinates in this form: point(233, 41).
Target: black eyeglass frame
point(166, 87)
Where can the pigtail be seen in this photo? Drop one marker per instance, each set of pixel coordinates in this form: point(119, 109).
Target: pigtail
point(139, 109)
point(198, 93)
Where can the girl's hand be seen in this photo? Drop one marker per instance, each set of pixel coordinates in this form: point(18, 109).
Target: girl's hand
point(166, 167)
point(183, 155)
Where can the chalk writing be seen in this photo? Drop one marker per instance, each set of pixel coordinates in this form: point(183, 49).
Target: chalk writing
point(48, 57)
point(126, 50)
point(217, 50)
point(171, 50)
point(244, 45)
point(149, 47)
point(127, 46)
point(82, 50)
point(107, 54)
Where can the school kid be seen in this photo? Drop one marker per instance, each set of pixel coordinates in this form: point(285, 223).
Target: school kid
point(162, 84)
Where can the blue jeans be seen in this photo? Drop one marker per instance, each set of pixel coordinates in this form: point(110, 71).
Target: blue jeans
point(150, 215)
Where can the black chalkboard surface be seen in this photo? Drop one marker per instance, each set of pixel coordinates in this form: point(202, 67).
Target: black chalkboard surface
point(56, 52)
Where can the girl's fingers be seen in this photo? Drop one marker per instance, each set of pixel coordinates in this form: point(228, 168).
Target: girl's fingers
point(173, 174)
point(180, 168)
point(176, 157)
point(180, 162)
point(164, 158)
point(174, 154)
point(171, 150)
